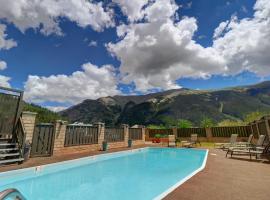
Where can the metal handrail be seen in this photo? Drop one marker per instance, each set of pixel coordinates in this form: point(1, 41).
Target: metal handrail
point(13, 193)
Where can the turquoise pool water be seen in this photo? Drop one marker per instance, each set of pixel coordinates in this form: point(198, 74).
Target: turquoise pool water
point(148, 173)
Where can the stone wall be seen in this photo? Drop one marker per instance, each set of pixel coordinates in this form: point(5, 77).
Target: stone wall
point(29, 120)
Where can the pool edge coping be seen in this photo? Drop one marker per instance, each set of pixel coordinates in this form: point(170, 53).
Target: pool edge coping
point(182, 181)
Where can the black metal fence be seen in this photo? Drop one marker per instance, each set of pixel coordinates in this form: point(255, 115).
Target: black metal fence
point(10, 110)
point(114, 134)
point(43, 140)
point(186, 132)
point(81, 135)
point(135, 133)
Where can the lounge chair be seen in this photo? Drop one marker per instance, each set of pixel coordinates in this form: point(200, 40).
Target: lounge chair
point(256, 150)
point(244, 144)
point(171, 141)
point(193, 141)
point(233, 140)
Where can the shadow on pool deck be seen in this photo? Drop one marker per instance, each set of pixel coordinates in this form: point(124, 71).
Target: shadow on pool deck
point(223, 178)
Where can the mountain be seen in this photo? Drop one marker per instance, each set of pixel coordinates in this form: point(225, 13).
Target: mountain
point(193, 105)
point(44, 115)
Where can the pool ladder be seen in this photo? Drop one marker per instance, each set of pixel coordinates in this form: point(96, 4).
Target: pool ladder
point(11, 193)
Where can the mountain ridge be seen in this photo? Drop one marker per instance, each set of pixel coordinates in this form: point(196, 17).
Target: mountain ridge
point(183, 103)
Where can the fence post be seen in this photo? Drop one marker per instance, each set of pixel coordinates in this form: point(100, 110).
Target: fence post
point(29, 120)
point(209, 136)
point(126, 133)
point(59, 135)
point(101, 133)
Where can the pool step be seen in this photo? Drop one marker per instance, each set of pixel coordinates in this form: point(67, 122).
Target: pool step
point(11, 161)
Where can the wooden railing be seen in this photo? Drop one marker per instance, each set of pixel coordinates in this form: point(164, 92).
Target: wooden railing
point(114, 134)
point(20, 135)
point(135, 133)
point(81, 135)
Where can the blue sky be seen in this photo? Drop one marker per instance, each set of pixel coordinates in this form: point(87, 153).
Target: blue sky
point(49, 55)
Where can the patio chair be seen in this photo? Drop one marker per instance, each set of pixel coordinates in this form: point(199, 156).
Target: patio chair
point(193, 141)
point(257, 149)
point(244, 144)
point(233, 140)
point(171, 141)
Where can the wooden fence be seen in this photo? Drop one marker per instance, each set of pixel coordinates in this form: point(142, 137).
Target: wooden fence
point(186, 132)
point(242, 131)
point(135, 133)
point(114, 134)
point(80, 135)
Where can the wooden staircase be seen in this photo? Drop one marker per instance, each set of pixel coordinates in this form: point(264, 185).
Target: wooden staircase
point(9, 153)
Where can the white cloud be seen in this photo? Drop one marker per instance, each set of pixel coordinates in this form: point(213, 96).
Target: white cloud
point(245, 45)
point(44, 15)
point(4, 81)
point(56, 108)
point(132, 9)
point(3, 65)
point(157, 52)
point(4, 42)
point(220, 29)
point(92, 43)
point(90, 83)
point(160, 49)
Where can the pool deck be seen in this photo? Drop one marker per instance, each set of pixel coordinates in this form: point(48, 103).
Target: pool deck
point(223, 178)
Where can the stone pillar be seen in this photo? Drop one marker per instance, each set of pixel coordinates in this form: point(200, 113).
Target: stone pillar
point(209, 136)
point(174, 129)
point(101, 133)
point(29, 120)
point(143, 134)
point(146, 133)
point(267, 128)
point(59, 137)
point(126, 133)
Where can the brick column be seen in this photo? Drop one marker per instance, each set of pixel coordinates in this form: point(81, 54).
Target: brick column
point(59, 137)
point(174, 129)
point(101, 133)
point(29, 120)
point(143, 134)
point(126, 133)
point(209, 136)
point(267, 128)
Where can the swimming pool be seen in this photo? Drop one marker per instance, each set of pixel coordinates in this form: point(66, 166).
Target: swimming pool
point(147, 173)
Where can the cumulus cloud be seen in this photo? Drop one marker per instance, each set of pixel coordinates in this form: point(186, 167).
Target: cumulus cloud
point(160, 49)
point(4, 42)
point(132, 9)
point(157, 52)
point(4, 81)
point(245, 44)
point(92, 43)
point(90, 83)
point(44, 15)
point(3, 65)
point(56, 108)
